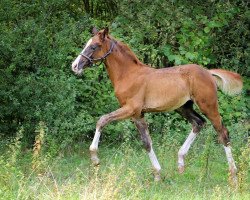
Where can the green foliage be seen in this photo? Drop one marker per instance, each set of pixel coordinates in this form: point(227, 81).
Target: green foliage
point(45, 107)
point(211, 33)
point(10, 174)
point(124, 173)
point(36, 83)
point(101, 9)
point(40, 39)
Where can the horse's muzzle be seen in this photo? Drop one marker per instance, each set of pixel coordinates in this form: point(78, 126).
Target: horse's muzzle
point(77, 68)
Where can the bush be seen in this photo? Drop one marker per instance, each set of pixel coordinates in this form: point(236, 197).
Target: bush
point(39, 40)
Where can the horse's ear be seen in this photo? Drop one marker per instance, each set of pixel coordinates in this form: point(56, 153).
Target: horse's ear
point(105, 33)
point(94, 31)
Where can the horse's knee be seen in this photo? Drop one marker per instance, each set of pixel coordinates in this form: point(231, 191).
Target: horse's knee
point(102, 121)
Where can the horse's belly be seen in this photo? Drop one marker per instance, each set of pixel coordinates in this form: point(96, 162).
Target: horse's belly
point(166, 96)
point(168, 104)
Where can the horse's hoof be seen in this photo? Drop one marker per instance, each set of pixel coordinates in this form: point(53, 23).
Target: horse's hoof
point(94, 158)
point(95, 161)
point(181, 169)
point(233, 176)
point(157, 178)
point(233, 171)
point(235, 180)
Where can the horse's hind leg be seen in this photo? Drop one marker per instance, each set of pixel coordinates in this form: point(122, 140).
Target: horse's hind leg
point(211, 111)
point(197, 122)
point(147, 142)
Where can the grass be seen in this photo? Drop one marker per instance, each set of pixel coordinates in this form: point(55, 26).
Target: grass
point(124, 173)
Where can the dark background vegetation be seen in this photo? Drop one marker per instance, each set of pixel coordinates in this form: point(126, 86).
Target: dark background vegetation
point(40, 39)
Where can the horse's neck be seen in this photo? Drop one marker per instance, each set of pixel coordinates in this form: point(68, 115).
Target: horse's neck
point(121, 65)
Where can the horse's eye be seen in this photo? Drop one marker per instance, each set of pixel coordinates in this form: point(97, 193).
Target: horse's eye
point(94, 47)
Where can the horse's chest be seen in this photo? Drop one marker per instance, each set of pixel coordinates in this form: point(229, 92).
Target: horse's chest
point(128, 91)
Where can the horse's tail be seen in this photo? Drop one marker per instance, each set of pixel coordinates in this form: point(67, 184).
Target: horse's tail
point(229, 82)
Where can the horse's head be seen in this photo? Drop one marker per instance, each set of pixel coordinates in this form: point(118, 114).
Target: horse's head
point(96, 50)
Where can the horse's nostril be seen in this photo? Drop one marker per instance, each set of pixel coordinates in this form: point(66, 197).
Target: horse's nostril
point(74, 67)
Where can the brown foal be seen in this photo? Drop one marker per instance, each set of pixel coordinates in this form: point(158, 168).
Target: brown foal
point(140, 89)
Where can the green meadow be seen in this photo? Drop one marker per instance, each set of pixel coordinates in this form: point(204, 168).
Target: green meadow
point(124, 173)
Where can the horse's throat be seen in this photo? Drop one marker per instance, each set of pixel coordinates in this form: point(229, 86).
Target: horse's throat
point(118, 69)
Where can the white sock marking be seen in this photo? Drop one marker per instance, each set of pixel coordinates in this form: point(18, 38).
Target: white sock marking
point(185, 147)
point(154, 160)
point(94, 145)
point(230, 157)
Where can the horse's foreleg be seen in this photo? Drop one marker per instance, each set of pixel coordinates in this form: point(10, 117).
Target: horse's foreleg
point(122, 113)
point(147, 142)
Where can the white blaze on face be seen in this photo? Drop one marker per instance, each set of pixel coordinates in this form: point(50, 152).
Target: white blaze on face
point(75, 63)
point(88, 43)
